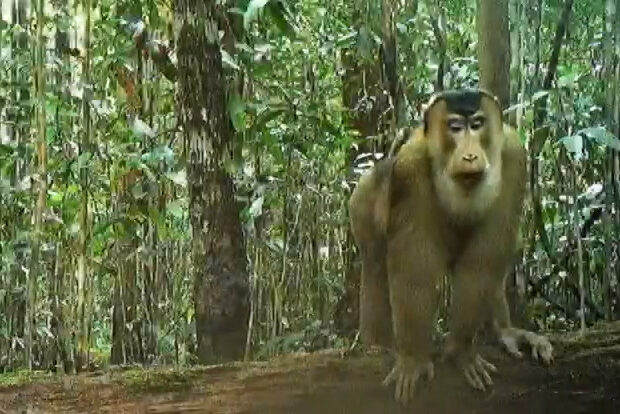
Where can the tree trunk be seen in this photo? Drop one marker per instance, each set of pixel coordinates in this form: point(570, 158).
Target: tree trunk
point(615, 167)
point(20, 130)
point(611, 110)
point(83, 269)
point(221, 290)
point(41, 144)
point(494, 48)
point(58, 286)
point(494, 61)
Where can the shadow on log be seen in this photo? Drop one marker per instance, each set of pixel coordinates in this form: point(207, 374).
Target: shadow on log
point(585, 378)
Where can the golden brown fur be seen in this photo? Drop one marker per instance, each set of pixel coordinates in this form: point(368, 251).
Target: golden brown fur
point(448, 202)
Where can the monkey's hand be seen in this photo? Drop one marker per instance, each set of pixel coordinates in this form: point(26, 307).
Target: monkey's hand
point(405, 374)
point(540, 346)
point(476, 370)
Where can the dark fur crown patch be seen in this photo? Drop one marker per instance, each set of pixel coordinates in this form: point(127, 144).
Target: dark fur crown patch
point(460, 101)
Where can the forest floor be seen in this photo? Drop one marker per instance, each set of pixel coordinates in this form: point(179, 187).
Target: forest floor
point(584, 378)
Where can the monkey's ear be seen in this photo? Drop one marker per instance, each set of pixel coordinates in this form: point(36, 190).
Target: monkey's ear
point(426, 108)
point(490, 104)
point(494, 101)
point(491, 96)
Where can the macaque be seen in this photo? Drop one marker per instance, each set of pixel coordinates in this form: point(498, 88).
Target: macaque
point(447, 202)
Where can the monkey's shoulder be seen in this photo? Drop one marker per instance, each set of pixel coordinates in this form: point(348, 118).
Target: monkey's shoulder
point(401, 137)
point(411, 172)
point(513, 151)
point(372, 182)
point(382, 170)
point(413, 160)
point(512, 139)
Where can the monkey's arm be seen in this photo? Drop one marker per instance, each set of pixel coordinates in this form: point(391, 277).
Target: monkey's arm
point(515, 159)
point(473, 274)
point(479, 272)
point(414, 267)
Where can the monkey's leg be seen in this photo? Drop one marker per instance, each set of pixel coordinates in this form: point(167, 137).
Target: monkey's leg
point(466, 315)
point(511, 337)
point(375, 313)
point(414, 270)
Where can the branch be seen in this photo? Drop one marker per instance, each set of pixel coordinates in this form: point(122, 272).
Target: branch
point(553, 62)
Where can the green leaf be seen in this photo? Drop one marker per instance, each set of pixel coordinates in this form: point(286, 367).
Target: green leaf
point(602, 136)
point(55, 198)
point(6, 149)
point(228, 60)
point(347, 40)
point(256, 209)
point(539, 95)
point(574, 145)
point(522, 136)
point(513, 108)
point(266, 116)
point(283, 18)
point(156, 217)
point(160, 153)
point(568, 80)
point(84, 160)
point(103, 225)
point(175, 209)
point(137, 192)
point(252, 11)
point(236, 109)
point(178, 177)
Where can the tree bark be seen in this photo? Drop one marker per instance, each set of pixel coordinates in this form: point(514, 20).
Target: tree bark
point(494, 57)
point(83, 271)
point(221, 292)
point(41, 188)
point(494, 48)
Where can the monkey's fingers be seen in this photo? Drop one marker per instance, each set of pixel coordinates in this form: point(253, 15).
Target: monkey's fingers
point(399, 388)
point(390, 377)
point(543, 351)
point(430, 371)
point(405, 387)
point(541, 347)
point(477, 373)
point(484, 364)
point(510, 343)
point(473, 378)
point(406, 377)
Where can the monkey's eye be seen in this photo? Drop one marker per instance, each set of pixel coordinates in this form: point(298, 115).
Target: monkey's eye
point(456, 125)
point(477, 123)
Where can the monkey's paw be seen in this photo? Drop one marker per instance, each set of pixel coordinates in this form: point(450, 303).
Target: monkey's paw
point(540, 346)
point(406, 373)
point(476, 370)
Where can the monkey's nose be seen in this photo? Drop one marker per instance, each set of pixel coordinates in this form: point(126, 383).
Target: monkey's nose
point(470, 157)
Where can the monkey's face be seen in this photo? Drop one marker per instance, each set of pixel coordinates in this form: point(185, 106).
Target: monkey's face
point(465, 137)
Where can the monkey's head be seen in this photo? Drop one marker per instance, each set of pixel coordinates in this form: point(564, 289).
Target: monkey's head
point(464, 132)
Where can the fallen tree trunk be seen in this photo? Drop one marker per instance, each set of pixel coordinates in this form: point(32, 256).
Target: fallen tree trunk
point(584, 378)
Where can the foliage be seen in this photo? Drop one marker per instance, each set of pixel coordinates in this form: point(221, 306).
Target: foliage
point(291, 166)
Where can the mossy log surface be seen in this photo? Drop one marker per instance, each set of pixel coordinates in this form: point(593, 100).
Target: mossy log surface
point(584, 378)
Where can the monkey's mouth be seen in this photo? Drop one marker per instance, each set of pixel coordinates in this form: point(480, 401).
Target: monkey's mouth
point(469, 180)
